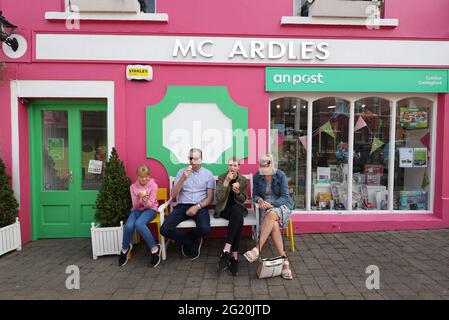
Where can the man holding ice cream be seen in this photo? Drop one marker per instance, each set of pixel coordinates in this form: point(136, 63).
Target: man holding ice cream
point(194, 191)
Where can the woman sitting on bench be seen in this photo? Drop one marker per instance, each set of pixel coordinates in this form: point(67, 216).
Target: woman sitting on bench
point(271, 193)
point(231, 197)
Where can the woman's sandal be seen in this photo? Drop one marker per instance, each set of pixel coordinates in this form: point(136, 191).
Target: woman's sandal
point(286, 271)
point(251, 255)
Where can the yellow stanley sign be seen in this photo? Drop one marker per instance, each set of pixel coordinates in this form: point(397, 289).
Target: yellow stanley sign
point(139, 72)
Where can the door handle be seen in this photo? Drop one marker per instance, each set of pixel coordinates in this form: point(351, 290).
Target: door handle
point(71, 176)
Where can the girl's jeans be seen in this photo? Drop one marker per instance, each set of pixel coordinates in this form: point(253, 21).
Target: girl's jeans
point(139, 220)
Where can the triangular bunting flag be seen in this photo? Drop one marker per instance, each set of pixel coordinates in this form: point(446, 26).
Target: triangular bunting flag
point(342, 109)
point(425, 140)
point(376, 145)
point(281, 139)
point(303, 140)
point(425, 181)
point(328, 129)
point(360, 124)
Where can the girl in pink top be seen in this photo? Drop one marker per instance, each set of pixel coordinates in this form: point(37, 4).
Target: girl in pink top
point(144, 199)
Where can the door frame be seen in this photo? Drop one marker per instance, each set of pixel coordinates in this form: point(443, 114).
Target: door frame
point(33, 114)
point(48, 89)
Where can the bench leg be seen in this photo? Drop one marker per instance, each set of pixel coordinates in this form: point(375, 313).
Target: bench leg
point(163, 247)
point(292, 238)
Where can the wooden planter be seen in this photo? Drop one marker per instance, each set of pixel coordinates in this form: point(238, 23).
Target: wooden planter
point(10, 238)
point(106, 241)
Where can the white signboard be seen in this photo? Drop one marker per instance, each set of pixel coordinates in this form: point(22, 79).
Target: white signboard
point(272, 51)
point(95, 166)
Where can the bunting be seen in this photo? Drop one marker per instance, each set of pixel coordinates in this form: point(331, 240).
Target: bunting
point(360, 124)
point(377, 143)
point(303, 140)
point(327, 128)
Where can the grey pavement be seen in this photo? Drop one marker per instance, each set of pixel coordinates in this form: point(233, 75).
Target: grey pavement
point(412, 265)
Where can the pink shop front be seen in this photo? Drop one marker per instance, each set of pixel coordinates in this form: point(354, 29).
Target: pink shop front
point(356, 118)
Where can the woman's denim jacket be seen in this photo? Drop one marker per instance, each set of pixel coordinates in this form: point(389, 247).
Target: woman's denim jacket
point(279, 187)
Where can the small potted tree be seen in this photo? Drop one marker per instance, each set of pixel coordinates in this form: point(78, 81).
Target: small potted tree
point(9, 222)
point(112, 208)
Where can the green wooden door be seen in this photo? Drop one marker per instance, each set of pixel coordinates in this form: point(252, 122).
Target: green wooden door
point(68, 138)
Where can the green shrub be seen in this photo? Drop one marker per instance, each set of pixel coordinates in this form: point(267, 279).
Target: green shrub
point(114, 200)
point(8, 203)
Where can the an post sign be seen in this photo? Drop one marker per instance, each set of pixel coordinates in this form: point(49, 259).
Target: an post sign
point(356, 80)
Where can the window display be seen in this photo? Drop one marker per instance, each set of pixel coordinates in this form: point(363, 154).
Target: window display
point(289, 123)
point(370, 161)
point(413, 145)
point(330, 153)
point(390, 161)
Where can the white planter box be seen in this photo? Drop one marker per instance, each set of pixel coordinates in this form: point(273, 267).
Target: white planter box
point(344, 8)
point(10, 238)
point(106, 6)
point(106, 241)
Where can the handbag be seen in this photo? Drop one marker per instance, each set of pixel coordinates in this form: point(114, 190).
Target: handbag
point(271, 267)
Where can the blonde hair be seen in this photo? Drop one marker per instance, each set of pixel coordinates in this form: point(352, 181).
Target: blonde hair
point(143, 170)
point(267, 156)
point(234, 159)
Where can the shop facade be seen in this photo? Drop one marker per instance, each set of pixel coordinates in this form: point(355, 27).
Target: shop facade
point(356, 116)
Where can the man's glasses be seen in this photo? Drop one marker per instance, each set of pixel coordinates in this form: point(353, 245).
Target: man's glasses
point(192, 158)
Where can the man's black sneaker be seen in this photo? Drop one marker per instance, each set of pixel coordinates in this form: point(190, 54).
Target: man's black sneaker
point(124, 257)
point(223, 262)
point(233, 268)
point(196, 250)
point(156, 257)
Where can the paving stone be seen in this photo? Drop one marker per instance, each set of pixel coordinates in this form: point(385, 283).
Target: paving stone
point(413, 265)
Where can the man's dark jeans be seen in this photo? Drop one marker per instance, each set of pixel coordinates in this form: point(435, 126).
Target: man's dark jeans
point(178, 215)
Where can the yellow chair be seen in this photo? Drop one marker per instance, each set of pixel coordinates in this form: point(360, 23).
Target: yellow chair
point(162, 196)
point(289, 233)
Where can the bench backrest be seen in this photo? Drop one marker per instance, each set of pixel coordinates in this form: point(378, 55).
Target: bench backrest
point(249, 197)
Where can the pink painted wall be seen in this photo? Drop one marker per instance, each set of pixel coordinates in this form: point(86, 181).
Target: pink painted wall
point(234, 17)
point(245, 83)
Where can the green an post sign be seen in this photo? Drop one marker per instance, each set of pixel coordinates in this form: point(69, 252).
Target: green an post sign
point(356, 80)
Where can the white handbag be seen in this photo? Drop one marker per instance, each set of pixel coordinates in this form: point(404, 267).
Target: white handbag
point(270, 267)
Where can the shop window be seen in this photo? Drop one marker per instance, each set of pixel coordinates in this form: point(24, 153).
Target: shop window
point(370, 156)
point(116, 6)
point(338, 8)
point(390, 159)
point(289, 129)
point(147, 6)
point(108, 10)
point(413, 145)
point(330, 154)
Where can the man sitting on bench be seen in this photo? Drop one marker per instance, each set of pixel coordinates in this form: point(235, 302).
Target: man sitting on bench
point(194, 190)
